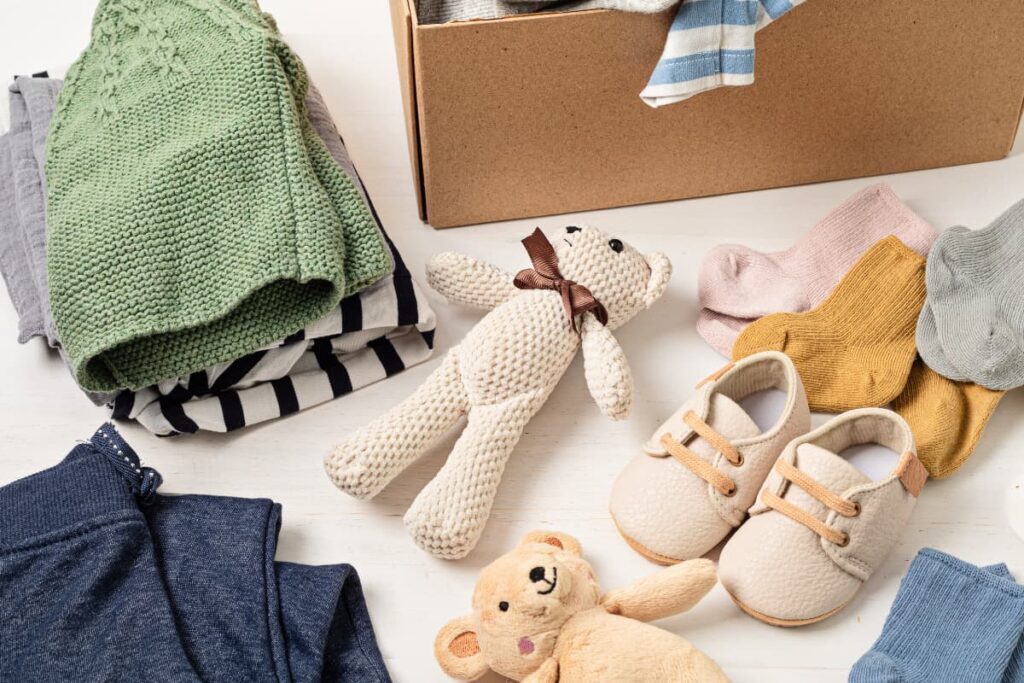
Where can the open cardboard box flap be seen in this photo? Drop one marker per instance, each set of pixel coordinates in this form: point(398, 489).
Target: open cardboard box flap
point(539, 114)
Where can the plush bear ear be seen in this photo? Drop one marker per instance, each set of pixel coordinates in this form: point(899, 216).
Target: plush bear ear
point(555, 538)
point(457, 650)
point(661, 272)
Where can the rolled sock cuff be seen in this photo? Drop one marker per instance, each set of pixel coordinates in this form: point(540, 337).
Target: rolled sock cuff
point(994, 576)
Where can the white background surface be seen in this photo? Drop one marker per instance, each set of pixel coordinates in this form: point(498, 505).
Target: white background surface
point(561, 473)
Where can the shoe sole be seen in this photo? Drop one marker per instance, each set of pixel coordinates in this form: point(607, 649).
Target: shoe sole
point(656, 558)
point(785, 623)
point(666, 561)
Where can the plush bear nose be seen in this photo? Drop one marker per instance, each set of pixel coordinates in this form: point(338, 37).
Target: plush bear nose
point(572, 228)
point(537, 574)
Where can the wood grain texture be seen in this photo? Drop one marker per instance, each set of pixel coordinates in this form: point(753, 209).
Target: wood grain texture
point(561, 473)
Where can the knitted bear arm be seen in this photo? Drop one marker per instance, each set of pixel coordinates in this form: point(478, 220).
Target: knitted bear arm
point(604, 363)
point(469, 281)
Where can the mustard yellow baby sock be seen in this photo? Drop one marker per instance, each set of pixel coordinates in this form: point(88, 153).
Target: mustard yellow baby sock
point(947, 417)
point(856, 348)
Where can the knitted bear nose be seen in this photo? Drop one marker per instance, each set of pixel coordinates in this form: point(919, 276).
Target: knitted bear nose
point(537, 574)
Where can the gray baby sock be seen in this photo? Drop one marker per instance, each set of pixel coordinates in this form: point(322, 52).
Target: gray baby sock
point(975, 282)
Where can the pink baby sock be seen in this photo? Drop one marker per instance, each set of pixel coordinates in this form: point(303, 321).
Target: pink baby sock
point(737, 285)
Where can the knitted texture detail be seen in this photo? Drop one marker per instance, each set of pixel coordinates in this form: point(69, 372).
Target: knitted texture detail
point(974, 300)
point(856, 348)
point(950, 621)
point(498, 377)
point(195, 216)
point(947, 417)
point(737, 285)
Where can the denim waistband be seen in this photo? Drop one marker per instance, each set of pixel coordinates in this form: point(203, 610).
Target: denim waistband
point(98, 477)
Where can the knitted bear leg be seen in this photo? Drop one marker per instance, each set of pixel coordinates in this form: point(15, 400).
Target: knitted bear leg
point(365, 462)
point(449, 514)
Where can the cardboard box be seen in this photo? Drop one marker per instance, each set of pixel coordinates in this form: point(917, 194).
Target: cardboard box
point(540, 114)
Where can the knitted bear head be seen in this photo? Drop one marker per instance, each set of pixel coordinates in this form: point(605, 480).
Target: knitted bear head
point(521, 601)
point(619, 276)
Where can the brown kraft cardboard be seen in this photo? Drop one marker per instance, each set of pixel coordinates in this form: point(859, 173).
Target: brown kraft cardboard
point(539, 114)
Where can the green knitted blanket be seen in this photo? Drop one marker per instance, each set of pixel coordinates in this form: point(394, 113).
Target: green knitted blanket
point(194, 215)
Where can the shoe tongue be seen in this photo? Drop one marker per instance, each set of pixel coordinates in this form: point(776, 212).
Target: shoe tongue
point(828, 469)
point(724, 416)
point(727, 418)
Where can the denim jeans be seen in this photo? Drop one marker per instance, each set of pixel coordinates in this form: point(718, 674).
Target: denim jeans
point(103, 579)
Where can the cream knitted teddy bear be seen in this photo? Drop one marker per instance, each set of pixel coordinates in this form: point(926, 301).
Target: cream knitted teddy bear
point(502, 372)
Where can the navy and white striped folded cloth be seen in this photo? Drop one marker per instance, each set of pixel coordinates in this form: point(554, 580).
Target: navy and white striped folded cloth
point(374, 334)
point(710, 44)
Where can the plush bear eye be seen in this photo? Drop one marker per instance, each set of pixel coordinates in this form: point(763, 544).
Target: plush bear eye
point(616, 245)
point(572, 228)
point(503, 606)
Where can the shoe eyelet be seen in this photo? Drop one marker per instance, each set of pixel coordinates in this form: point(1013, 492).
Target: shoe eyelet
point(855, 513)
point(739, 461)
point(731, 492)
point(845, 542)
point(856, 510)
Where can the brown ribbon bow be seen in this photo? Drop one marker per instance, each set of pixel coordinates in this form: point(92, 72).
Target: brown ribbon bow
point(576, 298)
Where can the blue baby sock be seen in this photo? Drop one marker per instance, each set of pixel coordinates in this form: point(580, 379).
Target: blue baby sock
point(951, 621)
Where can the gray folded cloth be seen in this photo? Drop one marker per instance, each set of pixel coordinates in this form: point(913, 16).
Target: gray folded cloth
point(443, 11)
point(23, 211)
point(23, 205)
point(14, 255)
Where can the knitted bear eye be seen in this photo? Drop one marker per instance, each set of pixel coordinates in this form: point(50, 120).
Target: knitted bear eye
point(616, 245)
point(503, 606)
point(572, 228)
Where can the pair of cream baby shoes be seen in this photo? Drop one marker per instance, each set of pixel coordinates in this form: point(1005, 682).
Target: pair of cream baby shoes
point(814, 527)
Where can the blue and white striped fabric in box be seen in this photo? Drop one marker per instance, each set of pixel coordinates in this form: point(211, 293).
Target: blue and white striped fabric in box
point(710, 44)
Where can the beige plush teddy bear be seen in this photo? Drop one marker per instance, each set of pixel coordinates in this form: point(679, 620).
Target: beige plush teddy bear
point(539, 616)
point(582, 287)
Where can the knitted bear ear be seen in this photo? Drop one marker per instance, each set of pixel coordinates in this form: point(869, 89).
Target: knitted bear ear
point(556, 539)
point(457, 650)
point(661, 272)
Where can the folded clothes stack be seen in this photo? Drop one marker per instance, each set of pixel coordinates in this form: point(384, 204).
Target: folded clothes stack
point(209, 254)
point(101, 574)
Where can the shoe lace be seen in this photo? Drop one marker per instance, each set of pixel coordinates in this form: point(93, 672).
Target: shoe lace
point(814, 488)
point(698, 465)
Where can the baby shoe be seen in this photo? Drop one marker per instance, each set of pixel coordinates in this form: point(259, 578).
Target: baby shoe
point(821, 526)
point(700, 472)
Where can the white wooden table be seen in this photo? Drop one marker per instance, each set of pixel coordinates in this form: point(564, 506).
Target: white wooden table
point(562, 471)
